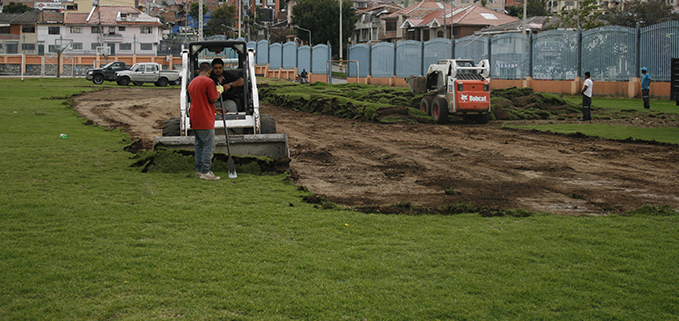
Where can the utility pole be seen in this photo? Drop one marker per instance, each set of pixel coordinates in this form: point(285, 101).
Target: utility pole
point(240, 13)
point(340, 36)
point(200, 20)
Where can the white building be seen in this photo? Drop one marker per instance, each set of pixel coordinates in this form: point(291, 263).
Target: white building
point(123, 29)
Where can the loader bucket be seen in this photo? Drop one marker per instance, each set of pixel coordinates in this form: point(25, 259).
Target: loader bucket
point(417, 84)
point(273, 145)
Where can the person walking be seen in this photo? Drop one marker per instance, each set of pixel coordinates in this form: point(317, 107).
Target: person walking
point(203, 94)
point(646, 87)
point(587, 98)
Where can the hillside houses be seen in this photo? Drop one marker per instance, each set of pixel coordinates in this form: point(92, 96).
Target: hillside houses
point(123, 29)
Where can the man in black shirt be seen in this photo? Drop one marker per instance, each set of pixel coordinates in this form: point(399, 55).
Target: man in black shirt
point(228, 81)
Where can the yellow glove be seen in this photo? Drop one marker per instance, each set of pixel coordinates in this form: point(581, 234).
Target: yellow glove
point(220, 89)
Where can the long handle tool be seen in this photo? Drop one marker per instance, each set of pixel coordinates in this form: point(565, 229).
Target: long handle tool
point(229, 163)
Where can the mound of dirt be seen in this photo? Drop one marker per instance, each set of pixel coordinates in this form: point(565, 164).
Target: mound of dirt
point(522, 103)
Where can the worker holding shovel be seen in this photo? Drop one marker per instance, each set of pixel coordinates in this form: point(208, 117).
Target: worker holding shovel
point(204, 94)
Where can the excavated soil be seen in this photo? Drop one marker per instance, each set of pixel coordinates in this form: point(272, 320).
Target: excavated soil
point(363, 164)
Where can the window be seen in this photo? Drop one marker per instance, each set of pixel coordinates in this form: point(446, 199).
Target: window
point(570, 3)
point(95, 45)
point(77, 45)
point(28, 46)
point(125, 46)
point(145, 29)
point(95, 29)
point(391, 25)
point(76, 29)
point(4, 29)
point(111, 30)
point(27, 29)
point(51, 48)
point(146, 46)
point(151, 68)
point(70, 7)
point(121, 28)
point(53, 30)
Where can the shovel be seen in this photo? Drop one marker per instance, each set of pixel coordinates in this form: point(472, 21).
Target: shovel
point(229, 163)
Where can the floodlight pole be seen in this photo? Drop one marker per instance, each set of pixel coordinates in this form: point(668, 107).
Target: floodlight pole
point(307, 30)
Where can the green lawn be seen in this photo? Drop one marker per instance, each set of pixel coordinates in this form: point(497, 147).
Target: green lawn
point(619, 108)
point(84, 236)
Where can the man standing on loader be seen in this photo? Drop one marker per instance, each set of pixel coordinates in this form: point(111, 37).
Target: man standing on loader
point(204, 94)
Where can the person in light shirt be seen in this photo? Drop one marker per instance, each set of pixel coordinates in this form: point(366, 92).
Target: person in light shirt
point(587, 98)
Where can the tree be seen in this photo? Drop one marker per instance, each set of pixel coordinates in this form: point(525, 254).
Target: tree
point(537, 8)
point(534, 8)
point(15, 8)
point(322, 17)
point(589, 16)
point(645, 13)
point(223, 15)
point(193, 12)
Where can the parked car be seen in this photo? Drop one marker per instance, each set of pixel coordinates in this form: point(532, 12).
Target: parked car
point(148, 72)
point(107, 72)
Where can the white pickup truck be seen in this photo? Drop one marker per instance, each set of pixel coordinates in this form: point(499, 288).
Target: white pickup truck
point(148, 72)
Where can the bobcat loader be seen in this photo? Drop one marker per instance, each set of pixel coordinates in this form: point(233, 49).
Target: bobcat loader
point(455, 87)
point(250, 133)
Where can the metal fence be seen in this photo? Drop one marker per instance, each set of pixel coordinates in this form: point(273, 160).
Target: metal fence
point(610, 53)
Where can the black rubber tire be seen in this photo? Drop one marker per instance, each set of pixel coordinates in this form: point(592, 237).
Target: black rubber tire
point(440, 111)
point(483, 119)
point(171, 127)
point(162, 82)
point(124, 81)
point(137, 83)
point(426, 105)
point(177, 82)
point(98, 79)
point(268, 124)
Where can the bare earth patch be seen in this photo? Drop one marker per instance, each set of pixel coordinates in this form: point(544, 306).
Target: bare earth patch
point(368, 164)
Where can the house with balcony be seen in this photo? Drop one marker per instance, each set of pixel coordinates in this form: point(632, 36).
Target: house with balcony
point(432, 19)
point(124, 30)
point(369, 22)
point(18, 33)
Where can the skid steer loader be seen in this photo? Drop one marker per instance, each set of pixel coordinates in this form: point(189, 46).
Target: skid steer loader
point(455, 87)
point(250, 133)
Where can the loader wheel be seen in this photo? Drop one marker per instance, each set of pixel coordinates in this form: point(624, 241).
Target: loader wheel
point(440, 111)
point(124, 81)
point(426, 104)
point(268, 124)
point(483, 119)
point(171, 127)
point(137, 83)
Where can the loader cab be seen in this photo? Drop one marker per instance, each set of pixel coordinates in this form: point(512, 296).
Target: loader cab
point(234, 55)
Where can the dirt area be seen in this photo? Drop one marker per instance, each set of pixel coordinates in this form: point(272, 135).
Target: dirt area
point(365, 164)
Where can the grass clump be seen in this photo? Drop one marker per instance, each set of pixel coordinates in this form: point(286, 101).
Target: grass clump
point(652, 210)
point(356, 101)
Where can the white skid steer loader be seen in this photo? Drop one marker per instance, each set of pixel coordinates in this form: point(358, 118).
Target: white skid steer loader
point(455, 87)
point(250, 133)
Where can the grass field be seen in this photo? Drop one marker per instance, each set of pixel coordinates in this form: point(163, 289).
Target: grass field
point(617, 108)
point(84, 236)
